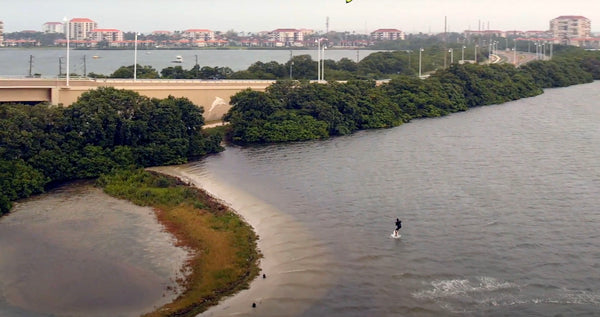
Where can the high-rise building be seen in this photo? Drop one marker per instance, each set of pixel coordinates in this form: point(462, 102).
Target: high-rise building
point(567, 27)
point(80, 27)
point(53, 27)
point(1, 33)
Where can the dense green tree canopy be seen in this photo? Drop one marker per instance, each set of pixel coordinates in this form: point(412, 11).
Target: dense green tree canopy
point(105, 129)
point(142, 72)
point(299, 110)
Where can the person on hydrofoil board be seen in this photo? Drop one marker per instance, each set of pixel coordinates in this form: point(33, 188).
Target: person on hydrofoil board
point(398, 226)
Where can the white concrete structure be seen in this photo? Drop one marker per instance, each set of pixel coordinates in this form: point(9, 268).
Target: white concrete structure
point(80, 27)
point(53, 27)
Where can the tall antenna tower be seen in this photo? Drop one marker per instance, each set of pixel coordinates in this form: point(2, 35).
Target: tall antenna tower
point(327, 26)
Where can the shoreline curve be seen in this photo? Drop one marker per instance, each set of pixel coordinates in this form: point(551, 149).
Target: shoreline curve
point(294, 262)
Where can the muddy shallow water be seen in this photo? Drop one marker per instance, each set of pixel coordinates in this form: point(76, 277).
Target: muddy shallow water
point(79, 252)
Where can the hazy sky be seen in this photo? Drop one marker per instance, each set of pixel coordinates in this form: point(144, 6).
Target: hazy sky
point(411, 16)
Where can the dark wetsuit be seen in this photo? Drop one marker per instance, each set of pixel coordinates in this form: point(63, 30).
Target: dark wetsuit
point(398, 224)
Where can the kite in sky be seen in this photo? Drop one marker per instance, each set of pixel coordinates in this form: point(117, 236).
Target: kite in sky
point(348, 1)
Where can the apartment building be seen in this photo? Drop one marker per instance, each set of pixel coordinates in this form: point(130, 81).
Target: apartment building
point(53, 27)
point(1, 33)
point(387, 35)
point(109, 35)
point(198, 35)
point(80, 27)
point(567, 27)
point(287, 37)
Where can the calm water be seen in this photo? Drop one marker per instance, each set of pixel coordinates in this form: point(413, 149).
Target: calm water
point(500, 210)
point(15, 62)
point(78, 252)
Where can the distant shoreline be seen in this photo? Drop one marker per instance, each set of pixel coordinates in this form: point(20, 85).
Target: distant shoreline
point(229, 48)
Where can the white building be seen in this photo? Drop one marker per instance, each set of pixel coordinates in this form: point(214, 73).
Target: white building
point(567, 27)
point(109, 35)
point(387, 35)
point(198, 35)
point(287, 36)
point(53, 27)
point(80, 27)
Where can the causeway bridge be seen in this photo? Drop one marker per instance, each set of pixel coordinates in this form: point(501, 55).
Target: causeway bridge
point(213, 95)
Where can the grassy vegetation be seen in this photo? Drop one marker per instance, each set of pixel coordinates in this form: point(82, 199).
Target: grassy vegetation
point(225, 256)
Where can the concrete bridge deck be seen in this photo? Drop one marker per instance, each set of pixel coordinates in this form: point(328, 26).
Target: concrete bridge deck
point(213, 95)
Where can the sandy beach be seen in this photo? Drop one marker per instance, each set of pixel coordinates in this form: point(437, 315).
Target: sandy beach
point(294, 263)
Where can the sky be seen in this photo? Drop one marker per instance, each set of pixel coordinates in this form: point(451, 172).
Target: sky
point(360, 16)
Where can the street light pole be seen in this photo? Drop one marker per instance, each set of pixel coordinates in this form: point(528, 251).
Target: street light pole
point(291, 63)
point(135, 57)
point(420, 51)
point(463, 54)
point(515, 53)
point(323, 63)
point(318, 60)
point(451, 51)
point(68, 35)
point(544, 50)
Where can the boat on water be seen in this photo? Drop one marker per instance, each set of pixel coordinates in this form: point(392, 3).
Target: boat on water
point(178, 59)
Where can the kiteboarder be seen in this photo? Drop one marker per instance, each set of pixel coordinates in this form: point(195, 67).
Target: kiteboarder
point(398, 226)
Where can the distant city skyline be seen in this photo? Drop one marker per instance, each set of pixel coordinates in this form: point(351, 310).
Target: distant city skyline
point(360, 16)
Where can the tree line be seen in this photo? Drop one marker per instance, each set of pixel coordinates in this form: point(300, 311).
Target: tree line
point(300, 110)
point(105, 129)
point(379, 65)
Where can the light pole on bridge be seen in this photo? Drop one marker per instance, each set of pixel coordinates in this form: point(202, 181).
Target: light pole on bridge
point(420, 51)
point(68, 35)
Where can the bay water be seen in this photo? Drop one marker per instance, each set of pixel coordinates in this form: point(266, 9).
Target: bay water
point(500, 208)
point(15, 62)
point(499, 205)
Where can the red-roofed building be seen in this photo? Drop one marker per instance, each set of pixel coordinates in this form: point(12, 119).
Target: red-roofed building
point(53, 27)
point(19, 43)
point(80, 27)
point(538, 34)
point(109, 35)
point(198, 34)
point(287, 37)
point(567, 27)
point(514, 33)
point(387, 35)
point(587, 42)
